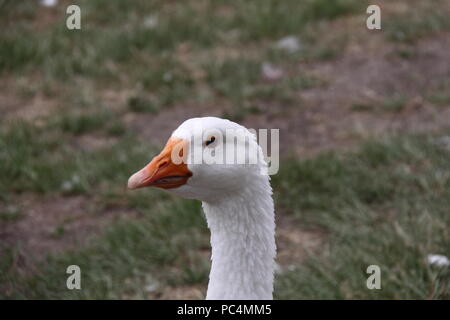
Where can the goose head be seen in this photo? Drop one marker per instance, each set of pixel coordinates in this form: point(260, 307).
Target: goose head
point(205, 159)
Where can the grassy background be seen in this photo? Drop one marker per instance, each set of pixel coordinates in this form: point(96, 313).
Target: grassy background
point(385, 202)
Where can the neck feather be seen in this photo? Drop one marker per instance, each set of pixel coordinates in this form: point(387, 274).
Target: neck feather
point(243, 243)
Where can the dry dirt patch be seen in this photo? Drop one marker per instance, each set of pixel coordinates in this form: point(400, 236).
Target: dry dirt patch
point(324, 118)
point(294, 243)
point(51, 224)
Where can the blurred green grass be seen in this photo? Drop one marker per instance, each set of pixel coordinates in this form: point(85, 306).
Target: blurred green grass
point(119, 33)
point(419, 20)
point(39, 160)
point(385, 204)
point(119, 48)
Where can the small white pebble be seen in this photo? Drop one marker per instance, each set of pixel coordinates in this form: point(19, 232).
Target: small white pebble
point(438, 260)
point(67, 186)
point(49, 3)
point(152, 286)
point(151, 22)
point(271, 72)
point(76, 179)
point(167, 76)
point(289, 44)
point(443, 141)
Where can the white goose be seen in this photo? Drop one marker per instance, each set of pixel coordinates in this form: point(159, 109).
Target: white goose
point(236, 198)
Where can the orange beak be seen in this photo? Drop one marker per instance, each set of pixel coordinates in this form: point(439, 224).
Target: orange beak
point(167, 170)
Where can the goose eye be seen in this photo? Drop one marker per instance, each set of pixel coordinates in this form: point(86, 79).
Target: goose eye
point(210, 140)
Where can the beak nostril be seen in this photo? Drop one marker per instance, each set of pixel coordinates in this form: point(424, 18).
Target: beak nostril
point(163, 164)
